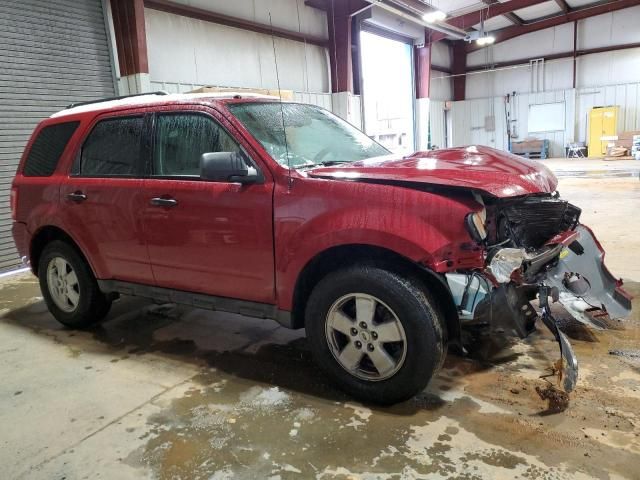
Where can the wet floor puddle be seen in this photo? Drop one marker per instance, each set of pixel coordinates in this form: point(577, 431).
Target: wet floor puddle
point(259, 408)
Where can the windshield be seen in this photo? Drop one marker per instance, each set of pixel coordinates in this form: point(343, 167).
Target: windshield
point(313, 135)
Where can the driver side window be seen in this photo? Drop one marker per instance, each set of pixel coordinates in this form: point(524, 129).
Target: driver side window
point(182, 138)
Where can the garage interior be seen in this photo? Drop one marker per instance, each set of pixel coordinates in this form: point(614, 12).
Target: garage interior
point(167, 391)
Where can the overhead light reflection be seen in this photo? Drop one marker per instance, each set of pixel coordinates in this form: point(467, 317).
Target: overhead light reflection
point(434, 16)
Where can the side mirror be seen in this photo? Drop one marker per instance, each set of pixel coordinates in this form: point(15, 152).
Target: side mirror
point(226, 167)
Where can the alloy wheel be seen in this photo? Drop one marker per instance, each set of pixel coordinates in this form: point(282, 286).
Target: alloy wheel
point(366, 337)
point(63, 284)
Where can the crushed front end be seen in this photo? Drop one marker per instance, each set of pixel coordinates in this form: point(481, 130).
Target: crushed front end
point(535, 247)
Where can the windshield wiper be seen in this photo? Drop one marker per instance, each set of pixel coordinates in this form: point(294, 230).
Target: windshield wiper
point(330, 163)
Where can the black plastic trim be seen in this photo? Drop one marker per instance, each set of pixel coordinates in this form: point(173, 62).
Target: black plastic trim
point(198, 300)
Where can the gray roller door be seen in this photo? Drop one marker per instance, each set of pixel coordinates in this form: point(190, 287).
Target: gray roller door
point(52, 53)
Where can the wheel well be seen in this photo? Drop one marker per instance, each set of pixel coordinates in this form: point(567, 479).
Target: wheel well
point(44, 236)
point(339, 257)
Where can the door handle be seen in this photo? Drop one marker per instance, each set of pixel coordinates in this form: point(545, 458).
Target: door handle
point(77, 196)
point(163, 202)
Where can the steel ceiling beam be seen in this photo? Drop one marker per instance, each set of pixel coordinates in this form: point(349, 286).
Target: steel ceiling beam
point(409, 10)
point(468, 20)
point(513, 18)
point(560, 19)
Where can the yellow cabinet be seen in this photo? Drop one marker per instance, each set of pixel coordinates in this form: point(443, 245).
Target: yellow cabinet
point(603, 123)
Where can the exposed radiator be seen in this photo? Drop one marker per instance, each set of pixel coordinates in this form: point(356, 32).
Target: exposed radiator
point(532, 221)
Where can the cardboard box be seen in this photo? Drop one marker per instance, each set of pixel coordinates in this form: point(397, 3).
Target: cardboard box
point(625, 139)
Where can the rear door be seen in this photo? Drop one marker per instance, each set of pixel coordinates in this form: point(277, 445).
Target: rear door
point(207, 237)
point(102, 197)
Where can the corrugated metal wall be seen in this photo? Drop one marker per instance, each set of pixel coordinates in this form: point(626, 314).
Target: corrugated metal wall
point(469, 115)
point(627, 97)
point(469, 120)
point(186, 50)
point(51, 54)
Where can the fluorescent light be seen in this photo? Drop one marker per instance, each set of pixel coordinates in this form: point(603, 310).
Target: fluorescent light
point(434, 16)
point(485, 40)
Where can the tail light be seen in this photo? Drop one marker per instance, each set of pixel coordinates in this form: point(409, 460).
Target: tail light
point(14, 203)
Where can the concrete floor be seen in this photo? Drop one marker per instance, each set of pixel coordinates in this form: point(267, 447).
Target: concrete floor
point(180, 393)
point(593, 167)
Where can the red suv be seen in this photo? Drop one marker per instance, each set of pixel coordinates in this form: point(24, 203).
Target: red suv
point(281, 210)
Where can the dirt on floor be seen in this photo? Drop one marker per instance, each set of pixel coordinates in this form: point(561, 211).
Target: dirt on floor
point(170, 392)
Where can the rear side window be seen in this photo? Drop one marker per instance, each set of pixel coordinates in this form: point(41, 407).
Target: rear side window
point(113, 148)
point(47, 148)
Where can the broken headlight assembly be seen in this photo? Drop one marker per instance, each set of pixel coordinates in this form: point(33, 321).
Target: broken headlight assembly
point(476, 225)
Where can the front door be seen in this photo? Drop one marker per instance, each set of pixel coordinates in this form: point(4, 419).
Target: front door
point(206, 237)
point(103, 197)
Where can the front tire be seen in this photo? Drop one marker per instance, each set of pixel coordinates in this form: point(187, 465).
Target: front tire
point(69, 288)
point(377, 334)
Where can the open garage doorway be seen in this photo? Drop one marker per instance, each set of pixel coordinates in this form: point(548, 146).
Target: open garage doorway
point(387, 91)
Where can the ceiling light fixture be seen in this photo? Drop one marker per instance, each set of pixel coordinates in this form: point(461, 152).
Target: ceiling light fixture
point(434, 16)
point(483, 37)
point(485, 40)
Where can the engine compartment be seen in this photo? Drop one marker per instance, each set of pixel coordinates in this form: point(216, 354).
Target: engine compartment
point(529, 222)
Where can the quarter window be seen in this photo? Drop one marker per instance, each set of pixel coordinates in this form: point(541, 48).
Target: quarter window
point(47, 148)
point(182, 138)
point(113, 148)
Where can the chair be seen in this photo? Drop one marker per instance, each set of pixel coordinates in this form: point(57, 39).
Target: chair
point(576, 150)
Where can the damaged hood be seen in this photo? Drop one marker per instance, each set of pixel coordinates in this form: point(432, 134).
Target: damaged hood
point(498, 173)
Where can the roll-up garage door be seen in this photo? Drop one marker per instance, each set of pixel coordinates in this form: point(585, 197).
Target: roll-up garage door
point(52, 53)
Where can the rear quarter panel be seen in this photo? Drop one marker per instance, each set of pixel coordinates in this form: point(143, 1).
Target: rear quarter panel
point(38, 198)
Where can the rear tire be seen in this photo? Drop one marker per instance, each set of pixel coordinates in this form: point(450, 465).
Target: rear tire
point(69, 288)
point(377, 334)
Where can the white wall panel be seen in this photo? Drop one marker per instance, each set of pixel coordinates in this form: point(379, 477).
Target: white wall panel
point(468, 116)
point(532, 45)
point(436, 123)
point(469, 120)
point(284, 13)
point(610, 68)
point(558, 75)
point(440, 87)
point(627, 97)
point(615, 28)
point(441, 55)
point(185, 50)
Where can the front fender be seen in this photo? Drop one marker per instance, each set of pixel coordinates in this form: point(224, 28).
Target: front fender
point(421, 226)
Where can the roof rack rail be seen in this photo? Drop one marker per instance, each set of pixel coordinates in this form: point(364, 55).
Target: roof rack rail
point(79, 104)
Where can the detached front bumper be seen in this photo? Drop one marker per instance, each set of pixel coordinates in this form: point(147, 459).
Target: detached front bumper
point(569, 269)
point(587, 289)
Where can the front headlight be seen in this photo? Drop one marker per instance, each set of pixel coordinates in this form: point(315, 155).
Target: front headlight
point(475, 222)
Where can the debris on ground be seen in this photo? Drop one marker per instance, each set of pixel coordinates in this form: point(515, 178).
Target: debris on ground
point(558, 401)
point(625, 353)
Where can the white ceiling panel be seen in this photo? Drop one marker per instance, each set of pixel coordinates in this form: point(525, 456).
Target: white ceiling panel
point(456, 7)
point(537, 11)
point(580, 3)
point(495, 23)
